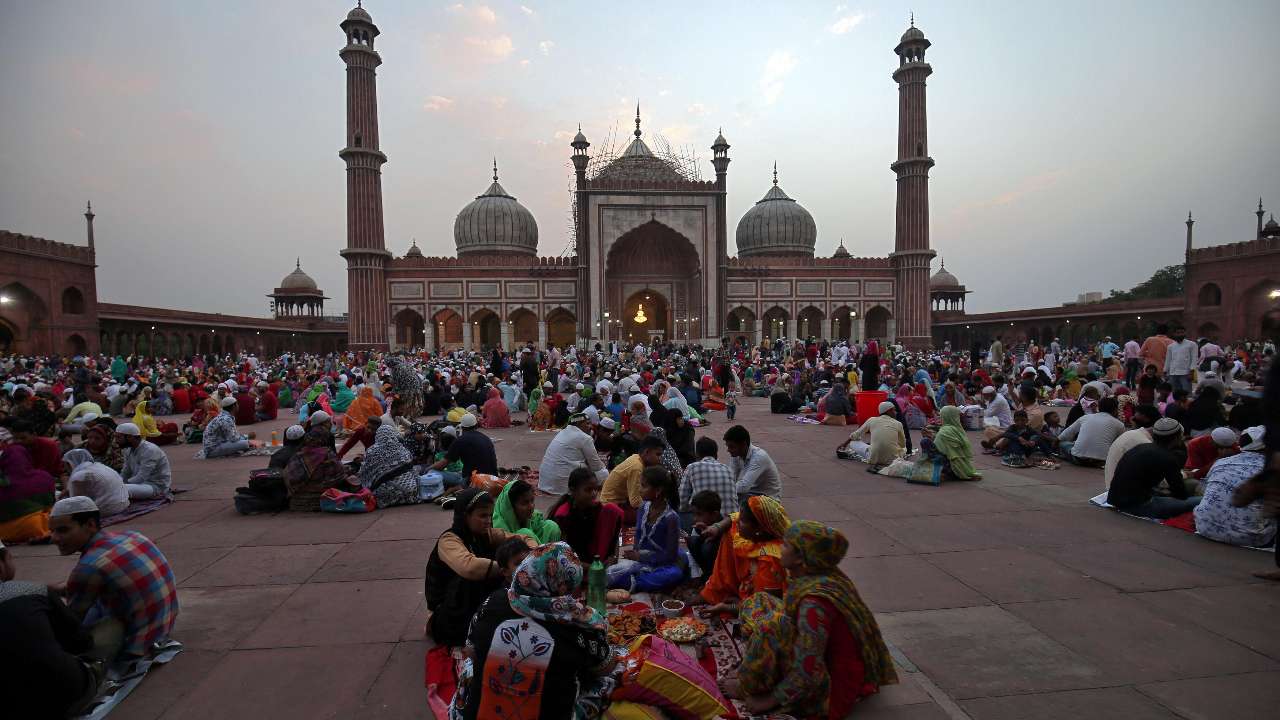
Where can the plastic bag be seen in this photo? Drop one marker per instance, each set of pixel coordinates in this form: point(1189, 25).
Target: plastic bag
point(335, 500)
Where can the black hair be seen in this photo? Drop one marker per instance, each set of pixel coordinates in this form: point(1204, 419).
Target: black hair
point(519, 488)
point(706, 447)
point(707, 501)
point(651, 442)
point(1020, 413)
point(1146, 410)
point(662, 478)
point(1180, 394)
point(83, 518)
point(1108, 405)
point(510, 550)
point(737, 434)
point(577, 477)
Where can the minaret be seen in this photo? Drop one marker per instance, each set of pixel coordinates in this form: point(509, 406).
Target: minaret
point(366, 252)
point(1260, 213)
point(1190, 222)
point(718, 323)
point(88, 221)
point(911, 253)
point(581, 243)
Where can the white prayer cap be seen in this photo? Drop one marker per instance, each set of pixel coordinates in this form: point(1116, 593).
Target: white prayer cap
point(320, 416)
point(294, 432)
point(607, 423)
point(451, 431)
point(1223, 437)
point(886, 406)
point(468, 421)
point(228, 401)
point(128, 429)
point(580, 386)
point(989, 390)
point(73, 505)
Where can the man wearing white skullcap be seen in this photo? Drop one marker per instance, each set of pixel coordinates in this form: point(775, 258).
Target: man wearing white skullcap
point(146, 471)
point(221, 437)
point(1204, 451)
point(1217, 516)
point(121, 589)
point(886, 437)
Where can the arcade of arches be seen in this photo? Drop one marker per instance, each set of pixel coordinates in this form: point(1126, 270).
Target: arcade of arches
point(484, 330)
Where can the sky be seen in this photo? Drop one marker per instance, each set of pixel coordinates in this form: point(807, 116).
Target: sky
point(1071, 139)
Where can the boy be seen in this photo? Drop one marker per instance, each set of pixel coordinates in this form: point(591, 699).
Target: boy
point(706, 512)
point(1019, 441)
point(509, 555)
point(1049, 432)
point(731, 400)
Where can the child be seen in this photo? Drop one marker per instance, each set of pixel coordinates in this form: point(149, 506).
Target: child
point(1049, 432)
point(656, 563)
point(509, 556)
point(589, 526)
point(731, 400)
point(706, 512)
point(1147, 384)
point(1019, 441)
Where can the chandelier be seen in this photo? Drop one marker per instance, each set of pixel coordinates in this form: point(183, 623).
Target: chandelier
point(640, 317)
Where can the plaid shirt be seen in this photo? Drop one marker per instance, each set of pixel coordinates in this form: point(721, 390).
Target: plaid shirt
point(708, 474)
point(125, 576)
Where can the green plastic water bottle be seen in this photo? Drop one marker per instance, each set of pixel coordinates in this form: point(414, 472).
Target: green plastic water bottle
point(597, 584)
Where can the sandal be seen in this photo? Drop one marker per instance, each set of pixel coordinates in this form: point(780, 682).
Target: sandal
point(448, 502)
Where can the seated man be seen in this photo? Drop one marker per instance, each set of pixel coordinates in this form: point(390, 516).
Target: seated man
point(1204, 451)
point(39, 642)
point(1142, 469)
point(1217, 517)
point(146, 472)
point(622, 487)
point(706, 512)
point(221, 438)
point(1087, 440)
point(245, 408)
point(121, 590)
point(268, 405)
point(885, 435)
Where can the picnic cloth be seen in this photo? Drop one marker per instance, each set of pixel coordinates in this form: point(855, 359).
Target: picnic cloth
point(264, 450)
point(803, 420)
point(1185, 522)
point(122, 681)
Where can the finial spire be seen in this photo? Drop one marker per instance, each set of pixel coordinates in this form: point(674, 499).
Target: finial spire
point(88, 206)
point(1259, 203)
point(775, 172)
point(495, 169)
point(1189, 216)
point(944, 263)
point(637, 119)
point(913, 18)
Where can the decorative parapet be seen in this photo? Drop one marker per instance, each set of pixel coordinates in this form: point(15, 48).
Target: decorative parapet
point(782, 262)
point(1233, 250)
point(30, 245)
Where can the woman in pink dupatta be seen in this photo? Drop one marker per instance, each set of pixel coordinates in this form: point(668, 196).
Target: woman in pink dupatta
point(495, 412)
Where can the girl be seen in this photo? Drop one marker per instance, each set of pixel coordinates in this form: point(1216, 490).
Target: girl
point(590, 527)
point(515, 513)
point(657, 562)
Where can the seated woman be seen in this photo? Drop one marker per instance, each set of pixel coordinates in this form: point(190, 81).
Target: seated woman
point(94, 480)
point(26, 494)
point(839, 411)
point(514, 513)
point(361, 409)
point(657, 562)
point(146, 423)
point(749, 559)
point(314, 469)
point(780, 402)
point(342, 399)
point(539, 651)
point(101, 442)
point(387, 470)
point(495, 413)
point(461, 571)
point(590, 527)
point(539, 409)
point(713, 394)
point(818, 651)
point(950, 444)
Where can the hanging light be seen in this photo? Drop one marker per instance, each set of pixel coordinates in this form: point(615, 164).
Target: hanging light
point(640, 317)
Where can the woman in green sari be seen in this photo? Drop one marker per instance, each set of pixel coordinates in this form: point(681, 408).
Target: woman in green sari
point(951, 445)
point(514, 512)
point(343, 399)
point(119, 369)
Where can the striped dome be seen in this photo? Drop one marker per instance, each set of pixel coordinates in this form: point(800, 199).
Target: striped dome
point(776, 225)
point(495, 222)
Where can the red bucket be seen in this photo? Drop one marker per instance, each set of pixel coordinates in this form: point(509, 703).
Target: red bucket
point(867, 403)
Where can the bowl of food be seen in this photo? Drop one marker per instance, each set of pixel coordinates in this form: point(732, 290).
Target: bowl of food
point(672, 608)
point(682, 630)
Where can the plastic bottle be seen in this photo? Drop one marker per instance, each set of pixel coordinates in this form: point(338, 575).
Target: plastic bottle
point(597, 584)
point(275, 438)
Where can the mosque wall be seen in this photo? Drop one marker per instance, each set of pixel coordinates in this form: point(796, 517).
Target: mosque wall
point(48, 296)
point(1229, 288)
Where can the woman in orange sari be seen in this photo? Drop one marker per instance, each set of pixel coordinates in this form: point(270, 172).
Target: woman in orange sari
point(750, 556)
point(712, 394)
point(361, 409)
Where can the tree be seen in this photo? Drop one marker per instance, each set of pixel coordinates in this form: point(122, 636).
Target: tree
point(1166, 282)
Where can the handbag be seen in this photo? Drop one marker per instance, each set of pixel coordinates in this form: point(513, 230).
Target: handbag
point(337, 501)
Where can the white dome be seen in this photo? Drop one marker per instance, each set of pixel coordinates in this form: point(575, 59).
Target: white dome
point(776, 224)
point(495, 222)
point(298, 280)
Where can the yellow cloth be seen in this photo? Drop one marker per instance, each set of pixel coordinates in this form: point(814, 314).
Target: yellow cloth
point(145, 421)
point(622, 487)
point(34, 526)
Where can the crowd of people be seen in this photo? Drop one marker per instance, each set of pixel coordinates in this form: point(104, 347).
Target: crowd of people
point(1177, 428)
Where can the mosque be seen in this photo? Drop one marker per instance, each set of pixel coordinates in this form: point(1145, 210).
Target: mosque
point(651, 248)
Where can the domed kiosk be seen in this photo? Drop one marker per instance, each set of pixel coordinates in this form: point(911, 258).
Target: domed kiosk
point(297, 295)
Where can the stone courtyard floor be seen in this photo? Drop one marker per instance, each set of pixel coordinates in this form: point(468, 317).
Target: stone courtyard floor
point(1007, 598)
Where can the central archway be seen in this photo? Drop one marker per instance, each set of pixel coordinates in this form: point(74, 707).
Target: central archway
point(657, 317)
point(655, 260)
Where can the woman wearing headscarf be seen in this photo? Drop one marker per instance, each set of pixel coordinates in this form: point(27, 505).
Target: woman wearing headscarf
point(461, 571)
point(540, 652)
point(818, 651)
point(495, 413)
point(923, 402)
point(670, 460)
point(539, 408)
point(94, 480)
point(388, 471)
point(100, 440)
point(750, 556)
point(839, 411)
point(780, 396)
point(951, 445)
point(361, 409)
point(146, 423)
point(514, 512)
point(26, 494)
point(680, 436)
point(312, 470)
point(343, 399)
point(119, 369)
point(869, 364)
point(677, 403)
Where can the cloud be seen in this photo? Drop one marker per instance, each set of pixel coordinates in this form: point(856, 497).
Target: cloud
point(480, 13)
point(680, 134)
point(663, 93)
point(494, 48)
point(846, 23)
point(526, 9)
point(545, 46)
point(524, 62)
point(498, 102)
point(776, 69)
point(436, 103)
point(565, 135)
point(698, 110)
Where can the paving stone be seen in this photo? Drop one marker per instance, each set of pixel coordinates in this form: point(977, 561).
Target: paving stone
point(219, 618)
point(268, 565)
point(1017, 575)
point(387, 560)
point(43, 569)
point(1070, 705)
point(301, 682)
point(986, 651)
point(340, 613)
point(1134, 642)
point(166, 686)
point(1047, 495)
point(230, 532)
point(398, 693)
point(408, 523)
point(185, 510)
point(1252, 695)
point(306, 528)
point(867, 541)
point(154, 528)
point(1248, 615)
point(897, 583)
point(187, 561)
point(952, 499)
point(942, 533)
point(920, 711)
point(1132, 567)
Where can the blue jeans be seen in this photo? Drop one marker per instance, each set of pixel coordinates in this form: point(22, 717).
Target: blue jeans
point(230, 448)
point(1163, 508)
point(1180, 382)
point(451, 479)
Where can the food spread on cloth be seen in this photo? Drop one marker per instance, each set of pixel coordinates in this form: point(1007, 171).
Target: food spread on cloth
point(682, 629)
point(626, 626)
